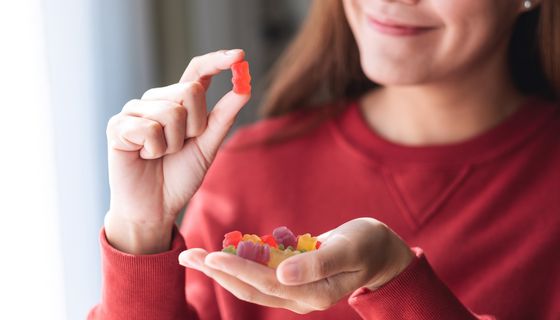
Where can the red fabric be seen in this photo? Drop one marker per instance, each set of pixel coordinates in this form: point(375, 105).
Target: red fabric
point(486, 213)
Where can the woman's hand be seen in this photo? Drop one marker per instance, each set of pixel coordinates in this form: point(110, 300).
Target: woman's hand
point(360, 253)
point(160, 148)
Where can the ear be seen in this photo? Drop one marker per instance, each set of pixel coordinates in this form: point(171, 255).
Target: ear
point(528, 5)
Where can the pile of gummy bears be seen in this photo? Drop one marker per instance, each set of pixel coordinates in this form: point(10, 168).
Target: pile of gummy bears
point(269, 250)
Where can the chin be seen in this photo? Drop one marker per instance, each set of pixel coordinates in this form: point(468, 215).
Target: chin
point(387, 72)
point(393, 75)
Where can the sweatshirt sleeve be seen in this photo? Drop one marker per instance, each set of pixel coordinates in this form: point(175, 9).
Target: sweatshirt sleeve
point(142, 286)
point(416, 293)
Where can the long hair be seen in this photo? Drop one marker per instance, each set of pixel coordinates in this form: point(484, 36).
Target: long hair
point(322, 67)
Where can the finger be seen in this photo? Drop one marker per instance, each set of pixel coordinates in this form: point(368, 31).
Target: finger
point(324, 236)
point(128, 133)
point(256, 275)
point(332, 258)
point(192, 258)
point(220, 120)
point(195, 258)
point(170, 115)
point(316, 296)
point(202, 68)
point(191, 95)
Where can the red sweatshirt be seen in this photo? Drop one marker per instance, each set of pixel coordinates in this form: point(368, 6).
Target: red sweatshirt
point(486, 213)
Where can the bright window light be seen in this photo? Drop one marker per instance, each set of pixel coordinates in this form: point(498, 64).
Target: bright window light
point(31, 285)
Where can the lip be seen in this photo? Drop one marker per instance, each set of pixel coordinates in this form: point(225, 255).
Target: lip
point(394, 28)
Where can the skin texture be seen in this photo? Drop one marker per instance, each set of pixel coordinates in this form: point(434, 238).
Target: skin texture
point(442, 86)
point(439, 86)
point(160, 148)
point(313, 280)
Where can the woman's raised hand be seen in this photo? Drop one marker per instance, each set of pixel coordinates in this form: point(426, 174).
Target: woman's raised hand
point(160, 148)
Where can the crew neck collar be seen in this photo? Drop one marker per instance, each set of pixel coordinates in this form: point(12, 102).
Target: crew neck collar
point(354, 130)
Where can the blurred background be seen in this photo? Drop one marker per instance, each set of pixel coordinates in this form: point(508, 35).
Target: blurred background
point(66, 68)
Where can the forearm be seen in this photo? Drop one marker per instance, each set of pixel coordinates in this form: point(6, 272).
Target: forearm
point(143, 286)
point(416, 293)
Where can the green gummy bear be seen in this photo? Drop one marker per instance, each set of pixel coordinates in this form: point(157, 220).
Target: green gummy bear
point(230, 249)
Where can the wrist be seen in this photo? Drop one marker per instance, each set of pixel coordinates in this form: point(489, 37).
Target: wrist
point(137, 238)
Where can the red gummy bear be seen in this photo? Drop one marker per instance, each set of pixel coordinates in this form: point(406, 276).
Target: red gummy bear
point(232, 239)
point(241, 78)
point(268, 239)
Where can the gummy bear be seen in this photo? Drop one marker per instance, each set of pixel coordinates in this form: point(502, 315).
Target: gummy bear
point(268, 239)
point(251, 237)
point(241, 78)
point(306, 242)
point(254, 251)
point(230, 249)
point(284, 237)
point(232, 238)
point(277, 256)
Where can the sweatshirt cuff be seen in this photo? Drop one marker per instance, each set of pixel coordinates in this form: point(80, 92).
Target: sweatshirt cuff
point(142, 286)
point(416, 293)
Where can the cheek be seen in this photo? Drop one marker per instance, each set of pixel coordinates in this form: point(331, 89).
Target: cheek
point(470, 31)
point(475, 30)
point(390, 59)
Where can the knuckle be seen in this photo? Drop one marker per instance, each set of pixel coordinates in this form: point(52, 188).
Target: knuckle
point(323, 267)
point(131, 104)
point(111, 124)
point(271, 288)
point(175, 145)
point(382, 234)
point(148, 93)
point(194, 88)
point(153, 129)
point(177, 111)
point(195, 61)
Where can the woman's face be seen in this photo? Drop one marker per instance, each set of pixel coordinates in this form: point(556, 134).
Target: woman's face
point(404, 42)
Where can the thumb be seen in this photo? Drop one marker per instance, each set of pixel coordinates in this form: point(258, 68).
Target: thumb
point(329, 260)
point(220, 120)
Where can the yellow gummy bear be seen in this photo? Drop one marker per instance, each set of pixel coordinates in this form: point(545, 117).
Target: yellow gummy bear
point(306, 242)
point(251, 237)
point(277, 256)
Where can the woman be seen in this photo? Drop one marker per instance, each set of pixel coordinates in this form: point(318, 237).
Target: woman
point(435, 133)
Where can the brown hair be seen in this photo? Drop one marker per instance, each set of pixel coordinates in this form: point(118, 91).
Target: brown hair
point(322, 63)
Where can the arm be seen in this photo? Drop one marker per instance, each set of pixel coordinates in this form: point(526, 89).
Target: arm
point(416, 293)
point(143, 286)
point(363, 257)
point(159, 150)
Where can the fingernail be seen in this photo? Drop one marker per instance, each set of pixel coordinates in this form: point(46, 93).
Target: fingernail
point(232, 52)
point(291, 273)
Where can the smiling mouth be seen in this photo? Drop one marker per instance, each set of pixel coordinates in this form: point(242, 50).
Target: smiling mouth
point(397, 29)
